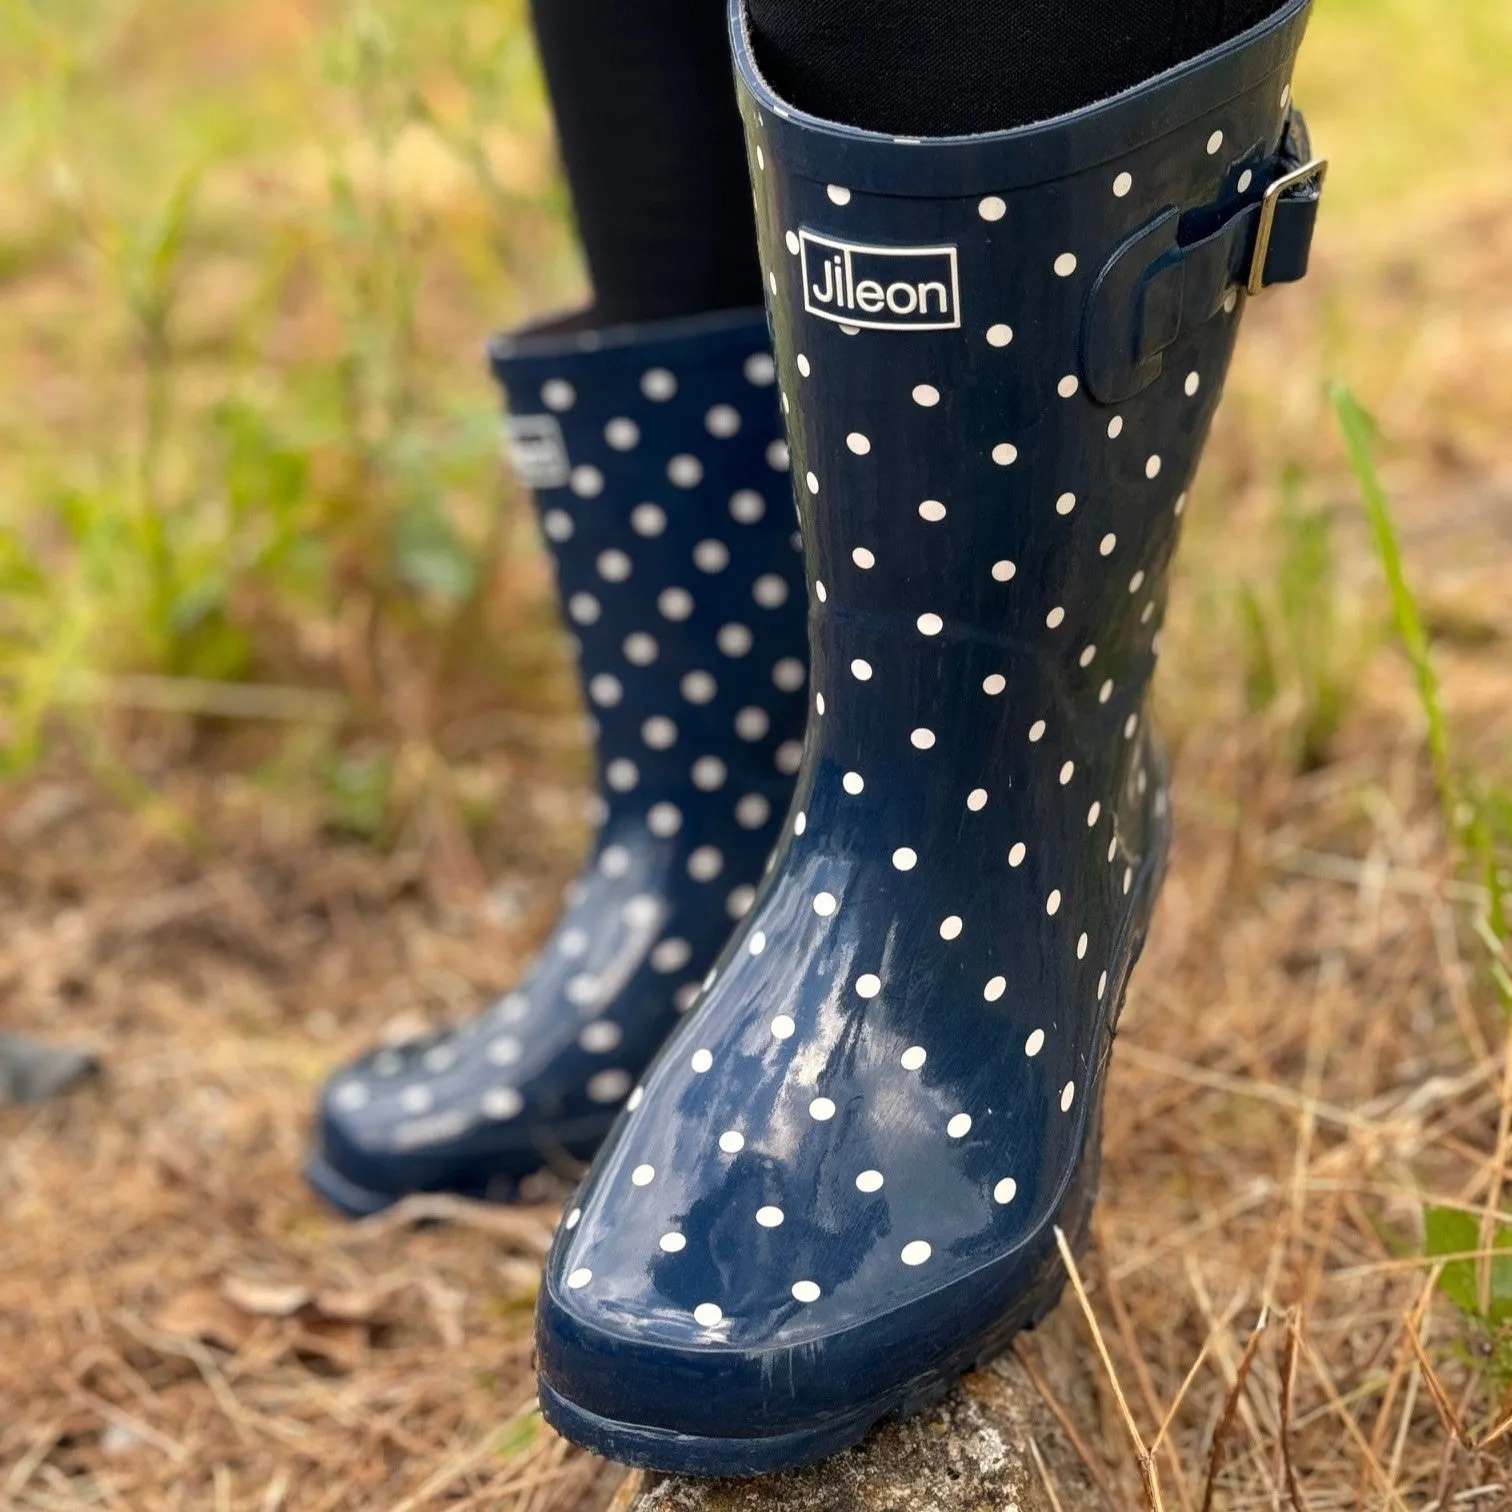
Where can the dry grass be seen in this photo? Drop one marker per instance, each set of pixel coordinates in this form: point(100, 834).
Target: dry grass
point(1310, 1056)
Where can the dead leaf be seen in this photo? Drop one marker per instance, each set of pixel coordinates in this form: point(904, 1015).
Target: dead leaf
point(358, 1304)
point(264, 1299)
point(202, 1313)
point(343, 1345)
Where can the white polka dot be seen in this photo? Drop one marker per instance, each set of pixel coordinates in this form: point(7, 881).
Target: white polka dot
point(993, 684)
point(868, 985)
point(1130, 725)
point(904, 858)
point(1016, 854)
point(789, 756)
point(992, 208)
point(1106, 546)
point(1136, 582)
point(912, 1060)
point(863, 558)
point(800, 822)
point(1122, 184)
point(1003, 572)
point(1005, 453)
point(1065, 265)
point(812, 483)
point(783, 1027)
point(732, 1141)
point(605, 690)
point(777, 456)
point(751, 723)
point(1055, 618)
point(671, 954)
point(1180, 505)
point(759, 369)
point(608, 1086)
point(572, 1219)
point(685, 470)
point(698, 687)
point(1068, 1095)
point(999, 335)
point(837, 194)
point(1193, 383)
point(622, 434)
point(922, 740)
point(613, 566)
point(932, 510)
point(1005, 1191)
point(772, 283)
point(1036, 732)
point(1067, 772)
point(757, 943)
point(1102, 986)
point(705, 864)
point(861, 670)
point(1092, 814)
point(747, 506)
point(819, 702)
point(722, 421)
point(501, 1103)
point(504, 1051)
point(769, 1217)
point(643, 1175)
point(869, 1181)
point(1081, 946)
point(711, 556)
point(580, 1278)
point(673, 1243)
point(675, 604)
point(1214, 142)
point(926, 394)
point(950, 928)
point(976, 800)
point(825, 904)
point(853, 783)
point(659, 732)
point(753, 810)
point(1115, 427)
point(734, 640)
point(600, 1037)
point(1053, 903)
point(557, 524)
point(709, 774)
point(707, 1314)
point(770, 590)
point(806, 1291)
point(583, 608)
point(819, 591)
point(995, 988)
point(1065, 504)
point(352, 1097)
point(586, 482)
point(821, 1110)
point(641, 649)
point(858, 443)
point(930, 624)
point(1285, 96)
point(1152, 467)
point(702, 1061)
point(557, 394)
point(789, 674)
point(1068, 386)
point(1035, 1043)
point(1105, 692)
point(658, 385)
point(959, 1126)
point(793, 244)
point(915, 1252)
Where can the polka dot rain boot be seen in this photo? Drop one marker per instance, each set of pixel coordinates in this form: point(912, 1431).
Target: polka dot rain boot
point(837, 1187)
point(658, 464)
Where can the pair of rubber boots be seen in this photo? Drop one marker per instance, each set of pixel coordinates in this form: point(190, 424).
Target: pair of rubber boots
point(836, 1187)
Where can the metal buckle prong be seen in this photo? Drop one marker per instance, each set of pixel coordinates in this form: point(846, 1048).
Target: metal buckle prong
point(1318, 169)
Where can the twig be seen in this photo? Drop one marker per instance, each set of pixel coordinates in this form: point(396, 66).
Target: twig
point(1044, 1473)
point(1147, 1472)
point(1231, 1408)
point(1068, 1427)
point(520, 1228)
point(1448, 1415)
point(1288, 1386)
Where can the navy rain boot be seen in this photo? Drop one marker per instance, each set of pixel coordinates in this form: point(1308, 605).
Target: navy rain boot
point(658, 464)
point(839, 1187)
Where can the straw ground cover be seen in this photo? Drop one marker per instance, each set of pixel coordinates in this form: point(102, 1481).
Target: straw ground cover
point(293, 763)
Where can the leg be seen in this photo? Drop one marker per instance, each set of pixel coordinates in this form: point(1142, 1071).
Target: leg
point(650, 139)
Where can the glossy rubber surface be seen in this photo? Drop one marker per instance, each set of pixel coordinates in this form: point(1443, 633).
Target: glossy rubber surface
point(839, 1187)
point(661, 479)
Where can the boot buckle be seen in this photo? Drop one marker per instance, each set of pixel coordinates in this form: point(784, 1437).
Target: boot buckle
point(1317, 169)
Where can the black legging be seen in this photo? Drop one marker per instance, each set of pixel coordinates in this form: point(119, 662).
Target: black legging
point(651, 141)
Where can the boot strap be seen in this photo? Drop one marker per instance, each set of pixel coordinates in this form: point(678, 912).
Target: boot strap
point(1180, 269)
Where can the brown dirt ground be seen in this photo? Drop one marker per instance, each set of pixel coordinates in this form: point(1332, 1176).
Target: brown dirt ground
point(1308, 1051)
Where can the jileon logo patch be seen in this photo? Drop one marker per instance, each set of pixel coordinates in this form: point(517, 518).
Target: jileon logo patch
point(536, 450)
point(881, 288)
